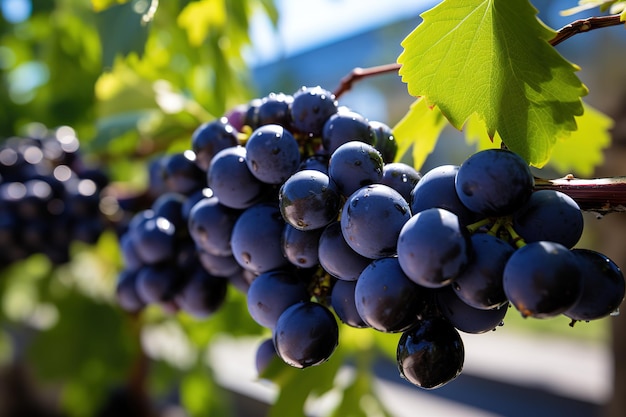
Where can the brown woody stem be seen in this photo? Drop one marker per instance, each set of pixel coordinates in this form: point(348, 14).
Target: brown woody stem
point(599, 195)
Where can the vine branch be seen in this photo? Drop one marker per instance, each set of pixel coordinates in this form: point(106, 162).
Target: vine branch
point(598, 195)
point(564, 33)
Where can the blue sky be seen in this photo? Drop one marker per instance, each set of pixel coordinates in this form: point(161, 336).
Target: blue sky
point(305, 24)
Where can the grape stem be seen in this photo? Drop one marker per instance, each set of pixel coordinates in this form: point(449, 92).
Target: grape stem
point(564, 33)
point(599, 195)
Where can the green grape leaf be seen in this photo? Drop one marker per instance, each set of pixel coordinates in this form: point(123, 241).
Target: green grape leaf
point(418, 130)
point(201, 396)
point(492, 58)
point(123, 30)
point(581, 152)
point(199, 17)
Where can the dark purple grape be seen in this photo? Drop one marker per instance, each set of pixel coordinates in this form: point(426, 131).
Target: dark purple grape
point(465, 317)
point(480, 283)
point(256, 239)
point(316, 162)
point(436, 189)
point(542, 279)
point(181, 174)
point(372, 218)
point(272, 154)
point(401, 177)
point(430, 354)
point(271, 293)
point(220, 266)
point(274, 109)
point(549, 215)
point(265, 354)
point(210, 138)
point(310, 108)
point(158, 283)
point(344, 304)
point(603, 286)
point(494, 182)
point(154, 240)
point(231, 180)
point(126, 291)
point(306, 334)
point(203, 294)
point(170, 206)
point(386, 299)
point(384, 140)
point(309, 200)
point(345, 126)
point(337, 257)
point(211, 224)
point(433, 247)
point(354, 165)
point(300, 247)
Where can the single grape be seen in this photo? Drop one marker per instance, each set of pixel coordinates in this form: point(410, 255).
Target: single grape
point(272, 154)
point(306, 334)
point(542, 279)
point(300, 247)
point(203, 294)
point(345, 126)
point(309, 200)
point(354, 165)
point(211, 224)
point(231, 180)
point(256, 238)
point(271, 293)
point(433, 247)
point(436, 189)
point(494, 182)
point(549, 215)
point(274, 109)
point(372, 218)
point(401, 177)
point(480, 283)
point(265, 354)
point(344, 304)
point(466, 318)
point(386, 299)
point(430, 354)
point(384, 140)
point(158, 283)
point(154, 240)
point(181, 174)
point(126, 291)
point(219, 266)
point(210, 138)
point(337, 257)
point(603, 286)
point(310, 108)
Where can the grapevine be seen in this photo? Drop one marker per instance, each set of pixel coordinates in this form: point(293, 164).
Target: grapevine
point(298, 220)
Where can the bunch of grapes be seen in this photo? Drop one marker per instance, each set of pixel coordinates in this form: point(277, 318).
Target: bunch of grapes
point(49, 195)
point(299, 202)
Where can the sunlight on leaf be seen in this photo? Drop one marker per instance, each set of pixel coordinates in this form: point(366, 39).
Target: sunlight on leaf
point(581, 152)
point(584, 5)
point(419, 128)
point(199, 17)
point(479, 56)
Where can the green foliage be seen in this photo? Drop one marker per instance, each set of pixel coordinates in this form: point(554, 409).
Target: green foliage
point(418, 131)
point(480, 57)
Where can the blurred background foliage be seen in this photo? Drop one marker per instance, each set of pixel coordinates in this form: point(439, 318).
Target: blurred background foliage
point(134, 79)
